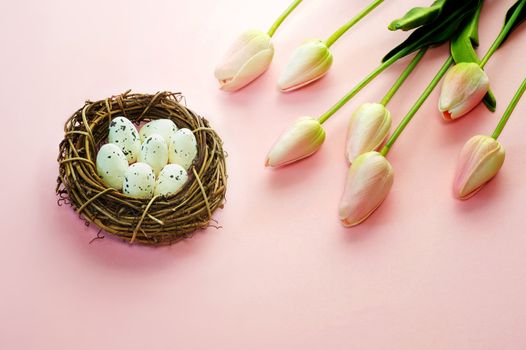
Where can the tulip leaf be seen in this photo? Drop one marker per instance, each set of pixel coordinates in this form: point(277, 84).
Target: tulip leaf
point(436, 32)
point(463, 50)
point(518, 21)
point(418, 16)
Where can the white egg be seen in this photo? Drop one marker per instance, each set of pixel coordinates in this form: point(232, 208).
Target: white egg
point(164, 127)
point(111, 165)
point(182, 149)
point(139, 181)
point(154, 151)
point(124, 134)
point(171, 179)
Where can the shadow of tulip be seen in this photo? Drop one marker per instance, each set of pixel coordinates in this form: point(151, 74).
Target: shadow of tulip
point(294, 174)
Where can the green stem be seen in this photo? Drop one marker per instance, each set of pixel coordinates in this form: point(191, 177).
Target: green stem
point(502, 35)
point(416, 106)
point(281, 18)
point(323, 118)
point(389, 95)
point(337, 34)
point(509, 110)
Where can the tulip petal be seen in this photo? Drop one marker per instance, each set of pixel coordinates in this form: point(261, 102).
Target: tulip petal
point(464, 87)
point(368, 129)
point(247, 58)
point(480, 160)
point(368, 183)
point(301, 140)
point(252, 69)
point(308, 63)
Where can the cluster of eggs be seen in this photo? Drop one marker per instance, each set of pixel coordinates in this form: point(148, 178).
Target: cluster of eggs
point(152, 161)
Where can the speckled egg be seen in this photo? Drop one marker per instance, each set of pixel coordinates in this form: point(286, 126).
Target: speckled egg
point(139, 181)
point(154, 151)
point(182, 149)
point(171, 179)
point(111, 165)
point(164, 127)
point(124, 134)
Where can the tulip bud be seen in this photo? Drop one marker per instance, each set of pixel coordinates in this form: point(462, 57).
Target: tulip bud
point(368, 129)
point(369, 180)
point(465, 85)
point(301, 140)
point(308, 63)
point(248, 57)
point(479, 161)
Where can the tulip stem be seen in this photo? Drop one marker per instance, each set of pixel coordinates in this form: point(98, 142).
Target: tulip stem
point(389, 95)
point(337, 34)
point(282, 17)
point(503, 34)
point(509, 110)
point(323, 118)
point(416, 106)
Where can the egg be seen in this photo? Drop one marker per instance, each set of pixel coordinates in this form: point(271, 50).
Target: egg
point(154, 152)
point(139, 181)
point(124, 134)
point(111, 165)
point(171, 179)
point(164, 127)
point(182, 149)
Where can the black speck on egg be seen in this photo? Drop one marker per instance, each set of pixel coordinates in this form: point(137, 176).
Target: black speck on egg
point(109, 156)
point(113, 123)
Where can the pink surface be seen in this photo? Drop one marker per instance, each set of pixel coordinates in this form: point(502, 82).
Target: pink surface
point(424, 272)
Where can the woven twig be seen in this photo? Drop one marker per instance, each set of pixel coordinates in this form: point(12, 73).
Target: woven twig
point(156, 221)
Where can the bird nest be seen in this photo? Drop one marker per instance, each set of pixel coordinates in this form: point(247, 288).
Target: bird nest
point(156, 221)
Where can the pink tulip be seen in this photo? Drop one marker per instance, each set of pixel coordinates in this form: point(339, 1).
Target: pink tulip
point(368, 129)
point(464, 87)
point(301, 140)
point(369, 180)
point(248, 58)
point(479, 161)
point(308, 63)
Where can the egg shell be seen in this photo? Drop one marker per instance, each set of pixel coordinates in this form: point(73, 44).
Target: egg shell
point(182, 149)
point(171, 179)
point(124, 134)
point(154, 151)
point(139, 181)
point(111, 165)
point(164, 127)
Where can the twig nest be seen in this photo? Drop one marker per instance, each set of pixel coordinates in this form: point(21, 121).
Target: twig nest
point(148, 211)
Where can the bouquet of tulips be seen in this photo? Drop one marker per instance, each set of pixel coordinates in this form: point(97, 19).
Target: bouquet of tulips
point(465, 85)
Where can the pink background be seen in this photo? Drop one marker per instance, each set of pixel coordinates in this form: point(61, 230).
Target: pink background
point(424, 272)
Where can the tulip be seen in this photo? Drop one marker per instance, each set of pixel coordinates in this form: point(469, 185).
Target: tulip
point(308, 63)
point(479, 161)
point(464, 87)
point(301, 140)
point(248, 58)
point(369, 180)
point(368, 129)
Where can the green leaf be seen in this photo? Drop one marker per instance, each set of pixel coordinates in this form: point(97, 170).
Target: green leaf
point(441, 29)
point(490, 101)
point(520, 18)
point(418, 16)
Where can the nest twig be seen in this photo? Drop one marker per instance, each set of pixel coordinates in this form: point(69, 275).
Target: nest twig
point(156, 221)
